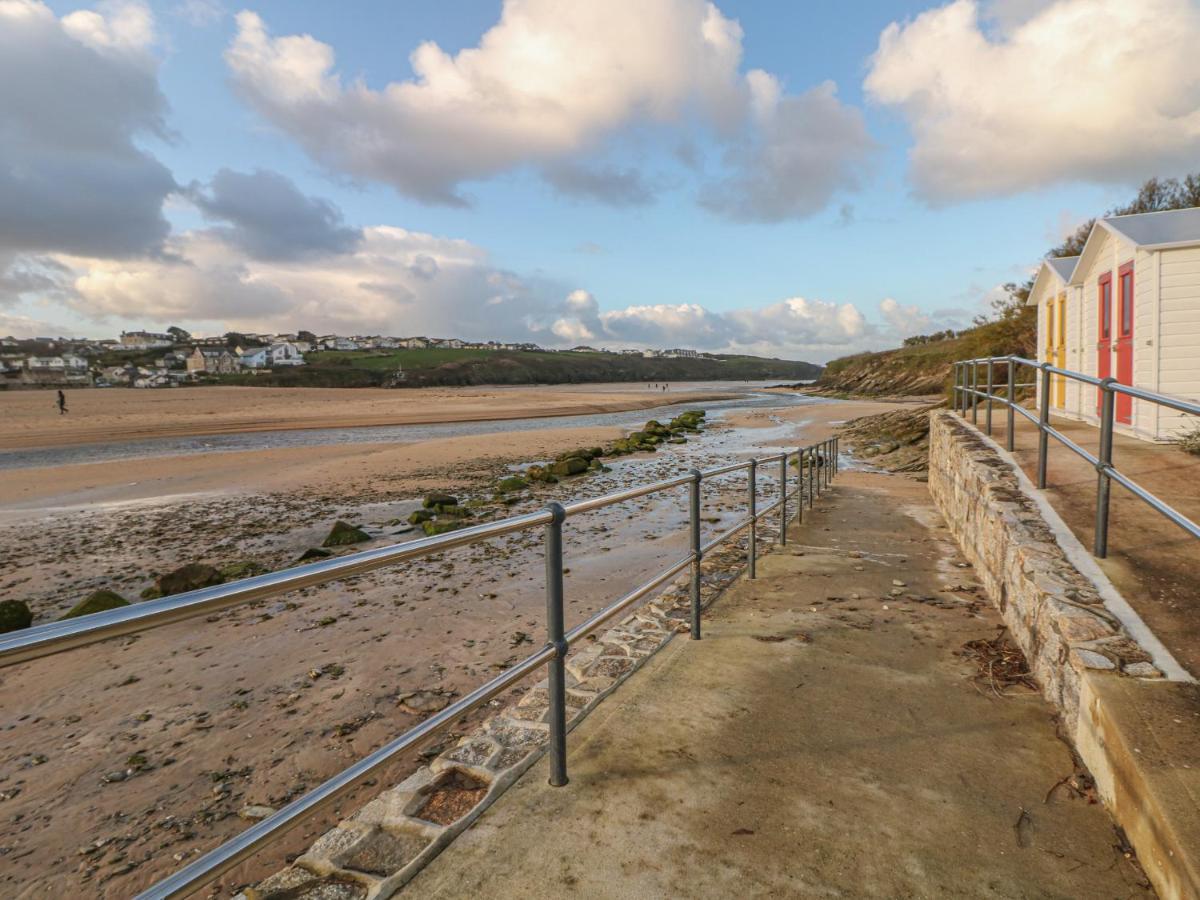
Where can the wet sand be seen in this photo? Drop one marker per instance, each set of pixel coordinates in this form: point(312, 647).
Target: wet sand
point(127, 759)
point(123, 414)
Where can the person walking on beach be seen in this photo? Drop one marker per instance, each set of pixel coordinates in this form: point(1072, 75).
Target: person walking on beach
point(62, 403)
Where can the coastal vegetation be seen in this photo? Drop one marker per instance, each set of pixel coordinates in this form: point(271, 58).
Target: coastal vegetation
point(435, 367)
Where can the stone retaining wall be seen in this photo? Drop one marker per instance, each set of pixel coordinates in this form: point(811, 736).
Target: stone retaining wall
point(1125, 720)
point(1055, 614)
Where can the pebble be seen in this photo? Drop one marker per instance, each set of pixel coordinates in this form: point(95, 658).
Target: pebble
point(254, 813)
point(899, 583)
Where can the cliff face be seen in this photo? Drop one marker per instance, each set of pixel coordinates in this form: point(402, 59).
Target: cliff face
point(923, 369)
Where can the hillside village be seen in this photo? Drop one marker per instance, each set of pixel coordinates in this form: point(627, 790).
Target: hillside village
point(147, 359)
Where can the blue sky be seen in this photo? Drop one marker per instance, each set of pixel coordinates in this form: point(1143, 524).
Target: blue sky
point(934, 237)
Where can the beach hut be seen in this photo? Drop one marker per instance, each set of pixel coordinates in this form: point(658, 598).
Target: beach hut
point(1131, 311)
point(1058, 309)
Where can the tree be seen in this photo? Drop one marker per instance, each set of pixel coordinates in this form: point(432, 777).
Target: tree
point(306, 336)
point(237, 339)
point(181, 336)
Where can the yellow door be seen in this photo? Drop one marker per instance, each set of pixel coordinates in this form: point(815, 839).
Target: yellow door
point(1050, 354)
point(1060, 350)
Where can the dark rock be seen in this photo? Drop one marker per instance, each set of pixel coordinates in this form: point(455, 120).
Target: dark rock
point(314, 553)
point(433, 500)
point(542, 474)
point(191, 577)
point(510, 484)
point(243, 568)
point(573, 465)
point(441, 527)
point(417, 516)
point(14, 615)
point(97, 601)
point(343, 533)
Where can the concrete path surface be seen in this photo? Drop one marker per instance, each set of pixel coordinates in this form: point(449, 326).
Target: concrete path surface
point(825, 738)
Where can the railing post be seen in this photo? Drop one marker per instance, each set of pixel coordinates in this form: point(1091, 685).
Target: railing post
point(1010, 437)
point(1043, 423)
point(991, 367)
point(800, 485)
point(694, 502)
point(783, 499)
point(555, 636)
point(752, 497)
point(811, 475)
point(828, 462)
point(1103, 482)
point(974, 395)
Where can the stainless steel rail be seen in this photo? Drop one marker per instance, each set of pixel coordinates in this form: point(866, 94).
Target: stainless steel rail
point(967, 396)
point(816, 466)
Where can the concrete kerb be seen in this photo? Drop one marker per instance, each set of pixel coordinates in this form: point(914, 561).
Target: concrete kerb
point(1128, 706)
point(377, 850)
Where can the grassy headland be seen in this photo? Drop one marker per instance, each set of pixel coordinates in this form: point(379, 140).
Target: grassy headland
point(433, 368)
point(925, 368)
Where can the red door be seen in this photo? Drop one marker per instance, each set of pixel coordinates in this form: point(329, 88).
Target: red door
point(1125, 340)
point(1104, 345)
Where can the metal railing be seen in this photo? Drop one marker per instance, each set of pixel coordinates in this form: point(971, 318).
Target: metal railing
point(816, 466)
point(967, 396)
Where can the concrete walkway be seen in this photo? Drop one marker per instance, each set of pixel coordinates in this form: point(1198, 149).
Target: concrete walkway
point(815, 743)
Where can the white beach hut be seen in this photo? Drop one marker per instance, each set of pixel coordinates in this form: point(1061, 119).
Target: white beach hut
point(1059, 327)
point(1130, 310)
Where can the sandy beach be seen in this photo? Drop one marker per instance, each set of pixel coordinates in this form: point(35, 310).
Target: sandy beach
point(117, 414)
point(126, 759)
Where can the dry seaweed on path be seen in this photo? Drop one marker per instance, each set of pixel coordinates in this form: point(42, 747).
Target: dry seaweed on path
point(999, 663)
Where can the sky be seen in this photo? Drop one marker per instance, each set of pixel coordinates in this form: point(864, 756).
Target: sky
point(797, 180)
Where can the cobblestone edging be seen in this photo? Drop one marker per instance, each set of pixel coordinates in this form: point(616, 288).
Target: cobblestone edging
point(1053, 611)
point(377, 850)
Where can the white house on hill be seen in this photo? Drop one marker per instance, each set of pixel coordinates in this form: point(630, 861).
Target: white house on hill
point(282, 354)
point(1130, 310)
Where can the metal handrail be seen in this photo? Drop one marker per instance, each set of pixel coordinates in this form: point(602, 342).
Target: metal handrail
point(817, 464)
point(967, 395)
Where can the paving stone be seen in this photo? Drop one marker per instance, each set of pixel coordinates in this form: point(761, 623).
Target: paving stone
point(294, 883)
point(1091, 659)
point(367, 849)
point(1142, 670)
point(612, 666)
point(475, 752)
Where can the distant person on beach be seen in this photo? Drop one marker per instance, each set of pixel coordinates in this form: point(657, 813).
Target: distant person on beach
point(62, 403)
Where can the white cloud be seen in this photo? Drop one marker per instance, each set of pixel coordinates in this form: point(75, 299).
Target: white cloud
point(395, 281)
point(76, 94)
point(124, 28)
point(21, 326)
point(804, 150)
point(546, 87)
point(200, 13)
point(1071, 90)
point(795, 325)
point(904, 320)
